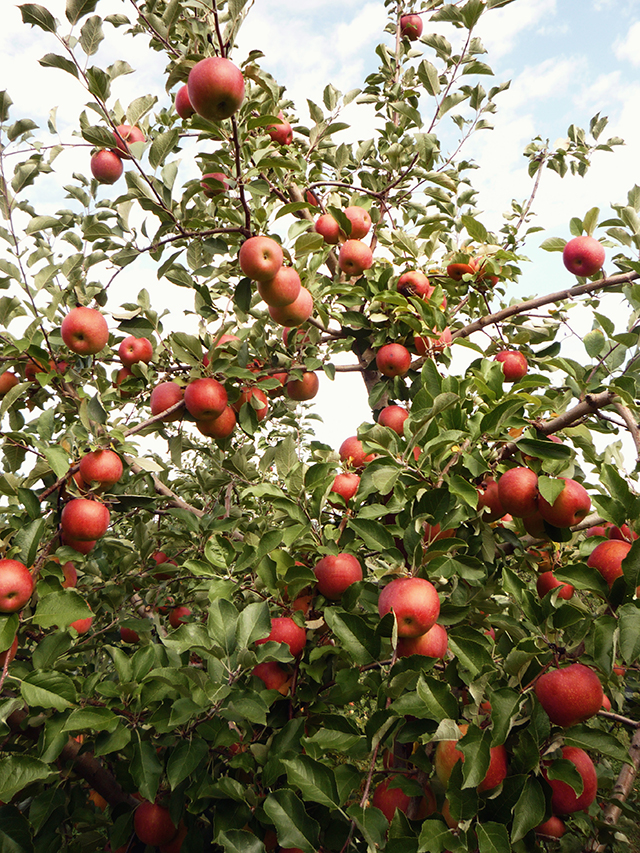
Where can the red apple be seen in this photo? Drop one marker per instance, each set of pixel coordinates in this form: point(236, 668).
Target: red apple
point(432, 533)
point(101, 467)
point(260, 258)
point(70, 575)
point(82, 625)
point(205, 399)
point(355, 257)
point(607, 558)
point(394, 418)
point(548, 581)
point(303, 389)
point(352, 452)
point(282, 289)
point(433, 644)
point(178, 616)
point(282, 132)
point(388, 799)
point(428, 346)
point(447, 754)
point(126, 135)
point(8, 380)
point(220, 427)
point(84, 330)
point(16, 585)
point(411, 27)
point(564, 799)
point(393, 360)
point(152, 824)
point(214, 184)
point(360, 221)
point(128, 635)
point(183, 104)
point(569, 695)
point(78, 545)
point(163, 397)
point(133, 350)
point(345, 485)
point(256, 398)
point(328, 227)
point(285, 630)
point(84, 520)
point(569, 508)
point(583, 256)
point(553, 827)
point(414, 283)
point(415, 603)
point(216, 88)
point(335, 573)
point(489, 497)
point(106, 166)
point(296, 313)
point(518, 492)
point(274, 676)
point(175, 846)
point(514, 365)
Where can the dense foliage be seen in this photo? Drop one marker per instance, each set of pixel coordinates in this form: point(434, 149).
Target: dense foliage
point(107, 701)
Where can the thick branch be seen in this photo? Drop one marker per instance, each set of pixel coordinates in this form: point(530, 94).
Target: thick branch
point(631, 423)
point(621, 791)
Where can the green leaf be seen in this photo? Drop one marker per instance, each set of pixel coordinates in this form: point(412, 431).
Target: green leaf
point(15, 832)
point(58, 459)
point(163, 144)
point(435, 837)
point(48, 690)
point(61, 608)
point(96, 719)
point(38, 16)
point(315, 781)
point(185, 759)
point(221, 624)
point(28, 539)
point(553, 244)
point(440, 704)
point(9, 623)
point(16, 772)
point(145, 769)
point(372, 824)
point(356, 635)
point(493, 838)
point(293, 825)
point(239, 841)
point(374, 534)
point(530, 809)
point(77, 9)
point(603, 742)
point(54, 60)
point(629, 621)
point(91, 35)
point(476, 229)
point(550, 488)
point(254, 623)
point(594, 343)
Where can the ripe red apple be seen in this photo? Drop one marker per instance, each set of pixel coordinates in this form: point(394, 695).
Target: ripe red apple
point(178, 616)
point(394, 418)
point(153, 825)
point(583, 256)
point(553, 827)
point(352, 452)
point(607, 558)
point(101, 467)
point(489, 497)
point(214, 184)
point(564, 799)
point(282, 289)
point(303, 389)
point(414, 602)
point(393, 360)
point(414, 283)
point(128, 635)
point(569, 508)
point(514, 365)
point(256, 398)
point(447, 754)
point(163, 397)
point(77, 545)
point(569, 695)
point(388, 799)
point(127, 135)
point(428, 346)
point(345, 485)
point(296, 313)
point(285, 630)
point(433, 644)
point(220, 427)
point(205, 398)
point(84, 519)
point(9, 654)
point(457, 270)
point(281, 132)
point(260, 258)
point(82, 625)
point(518, 492)
point(328, 227)
point(432, 533)
point(70, 575)
point(175, 845)
point(216, 88)
point(16, 585)
point(132, 350)
point(84, 330)
point(548, 581)
point(360, 221)
point(411, 27)
point(183, 104)
point(335, 573)
point(274, 676)
point(355, 257)
point(8, 380)
point(106, 166)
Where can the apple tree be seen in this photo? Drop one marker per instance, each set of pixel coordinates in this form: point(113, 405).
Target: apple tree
point(221, 633)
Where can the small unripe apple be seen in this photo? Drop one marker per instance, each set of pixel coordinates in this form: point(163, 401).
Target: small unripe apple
point(106, 166)
point(216, 88)
point(514, 365)
point(583, 256)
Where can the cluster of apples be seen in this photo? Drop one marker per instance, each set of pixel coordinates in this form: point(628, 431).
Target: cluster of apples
point(106, 165)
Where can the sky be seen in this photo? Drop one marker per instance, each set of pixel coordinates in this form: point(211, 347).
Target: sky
point(567, 60)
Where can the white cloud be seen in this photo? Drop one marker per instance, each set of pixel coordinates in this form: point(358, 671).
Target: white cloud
point(500, 30)
point(628, 48)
